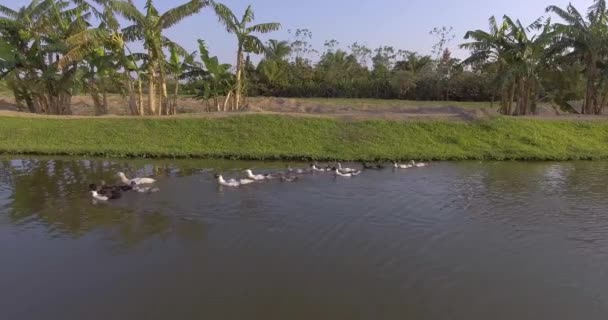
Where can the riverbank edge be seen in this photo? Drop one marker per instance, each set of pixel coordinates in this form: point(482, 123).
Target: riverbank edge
point(275, 137)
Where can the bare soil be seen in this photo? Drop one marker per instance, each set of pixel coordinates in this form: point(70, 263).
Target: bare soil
point(347, 109)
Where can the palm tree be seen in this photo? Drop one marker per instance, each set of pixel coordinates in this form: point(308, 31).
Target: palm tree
point(247, 41)
point(585, 40)
point(217, 80)
point(490, 48)
point(37, 33)
point(517, 56)
point(148, 27)
point(413, 63)
point(527, 56)
point(177, 64)
point(277, 50)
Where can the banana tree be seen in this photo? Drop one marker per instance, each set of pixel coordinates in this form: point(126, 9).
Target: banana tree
point(215, 78)
point(38, 32)
point(246, 40)
point(149, 27)
point(177, 64)
point(585, 40)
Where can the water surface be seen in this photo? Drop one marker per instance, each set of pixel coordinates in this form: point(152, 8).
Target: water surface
point(464, 240)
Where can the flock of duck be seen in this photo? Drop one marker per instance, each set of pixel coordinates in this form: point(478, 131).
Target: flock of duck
point(145, 185)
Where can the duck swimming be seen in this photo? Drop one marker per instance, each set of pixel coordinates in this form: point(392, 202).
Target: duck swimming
point(314, 167)
point(345, 170)
point(297, 170)
point(137, 181)
point(289, 179)
point(105, 192)
point(232, 182)
point(258, 177)
point(99, 197)
point(402, 166)
point(418, 164)
point(341, 173)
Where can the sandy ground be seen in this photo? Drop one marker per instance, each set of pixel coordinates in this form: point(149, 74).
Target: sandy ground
point(346, 109)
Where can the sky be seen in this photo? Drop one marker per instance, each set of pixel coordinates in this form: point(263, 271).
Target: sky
point(403, 24)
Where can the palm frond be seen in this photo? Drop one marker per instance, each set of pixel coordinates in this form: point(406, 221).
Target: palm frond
point(226, 17)
point(8, 12)
point(536, 25)
point(564, 15)
point(597, 11)
point(265, 27)
point(75, 55)
point(167, 43)
point(132, 33)
point(493, 25)
point(173, 16)
point(94, 37)
point(253, 44)
point(248, 17)
point(127, 10)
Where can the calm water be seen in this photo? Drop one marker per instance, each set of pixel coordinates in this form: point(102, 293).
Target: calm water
point(454, 241)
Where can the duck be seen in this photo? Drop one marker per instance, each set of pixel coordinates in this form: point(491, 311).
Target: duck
point(340, 173)
point(345, 170)
point(107, 192)
point(258, 177)
point(418, 164)
point(99, 197)
point(314, 167)
point(402, 166)
point(232, 182)
point(289, 179)
point(137, 181)
point(122, 188)
point(297, 170)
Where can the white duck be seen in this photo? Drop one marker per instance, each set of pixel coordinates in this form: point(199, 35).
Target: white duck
point(343, 174)
point(137, 181)
point(297, 170)
point(346, 170)
point(402, 166)
point(99, 197)
point(314, 167)
point(418, 164)
point(233, 182)
point(257, 177)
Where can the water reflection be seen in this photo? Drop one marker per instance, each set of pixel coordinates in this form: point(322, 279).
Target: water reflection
point(515, 238)
point(52, 194)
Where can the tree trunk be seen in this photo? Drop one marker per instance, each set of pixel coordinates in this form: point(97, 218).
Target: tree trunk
point(175, 93)
point(511, 98)
point(163, 108)
point(140, 96)
point(239, 76)
point(105, 101)
point(151, 84)
point(133, 108)
point(590, 95)
point(227, 99)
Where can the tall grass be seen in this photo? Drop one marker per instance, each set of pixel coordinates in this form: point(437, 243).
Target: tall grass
point(279, 137)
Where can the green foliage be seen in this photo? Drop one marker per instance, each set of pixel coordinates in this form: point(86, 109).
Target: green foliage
point(275, 137)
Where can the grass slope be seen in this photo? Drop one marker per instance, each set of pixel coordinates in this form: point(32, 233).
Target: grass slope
point(278, 137)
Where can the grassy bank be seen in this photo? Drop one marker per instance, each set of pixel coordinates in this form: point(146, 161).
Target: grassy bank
point(278, 137)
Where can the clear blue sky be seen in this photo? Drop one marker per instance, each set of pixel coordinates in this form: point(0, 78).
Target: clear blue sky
point(403, 24)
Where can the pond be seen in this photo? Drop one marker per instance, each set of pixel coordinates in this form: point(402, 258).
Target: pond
point(456, 240)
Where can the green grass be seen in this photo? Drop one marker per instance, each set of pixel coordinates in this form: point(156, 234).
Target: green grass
point(278, 137)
